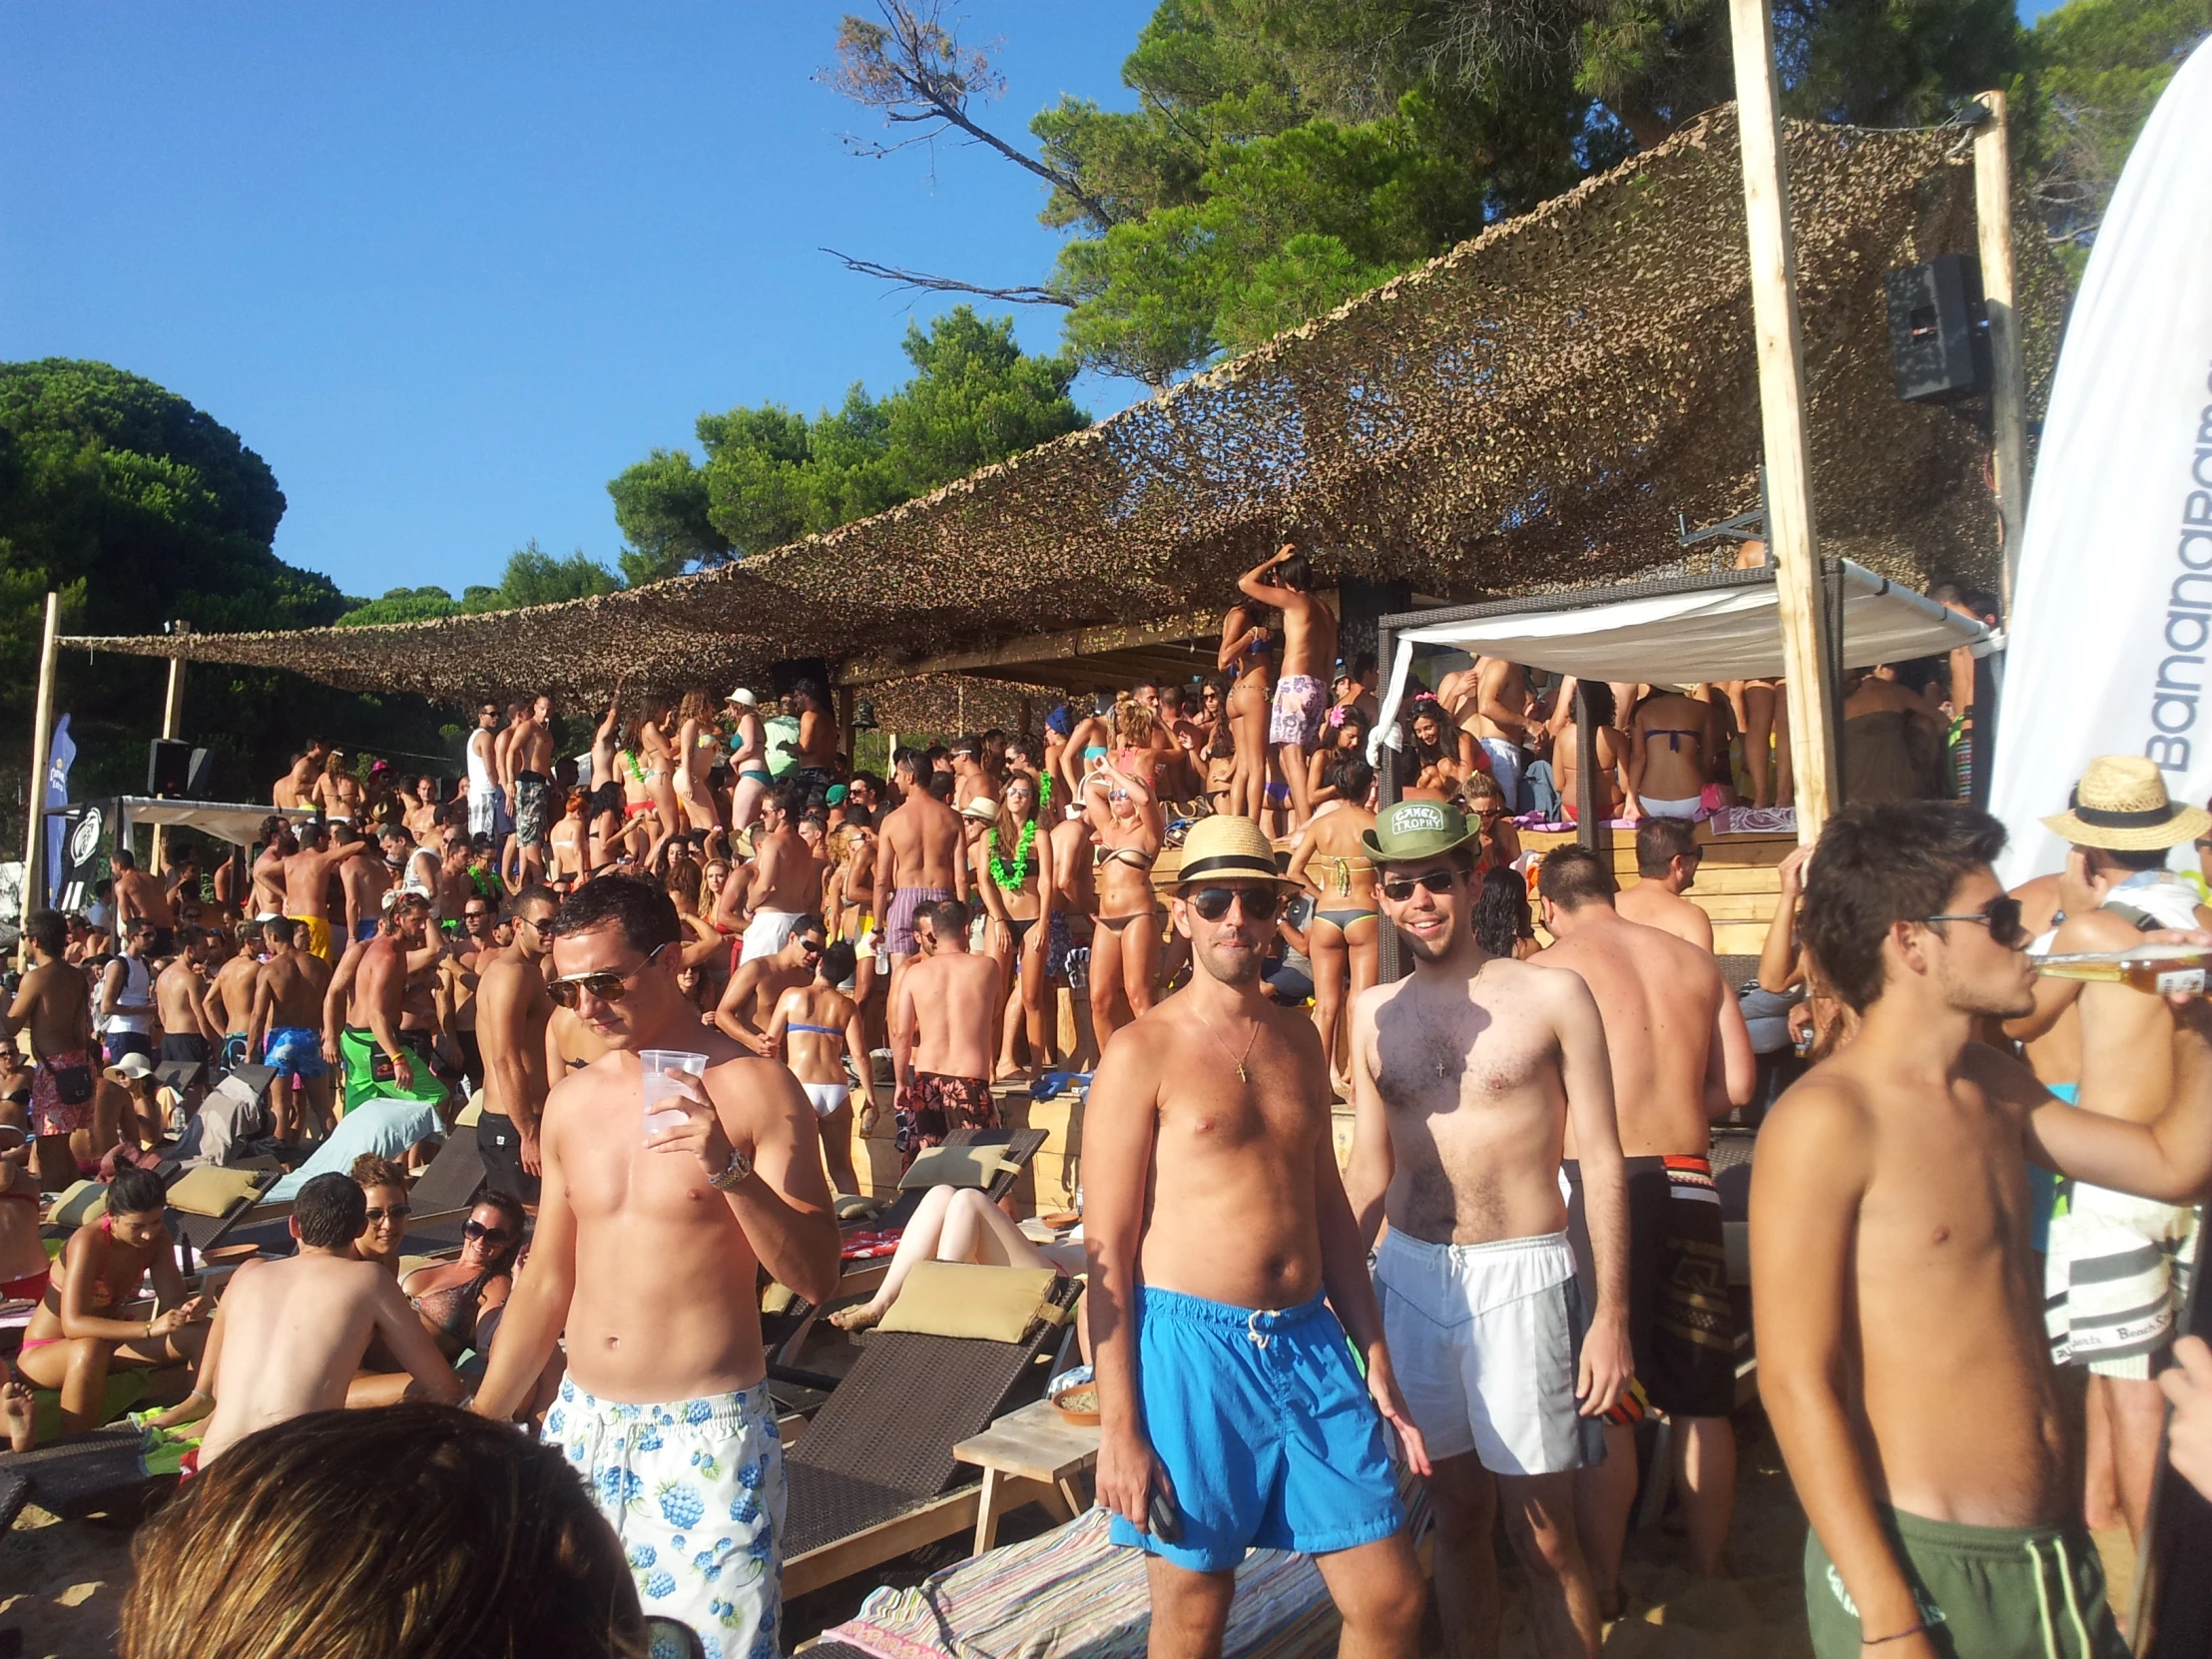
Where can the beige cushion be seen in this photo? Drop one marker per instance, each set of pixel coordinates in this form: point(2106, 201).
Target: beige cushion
point(959, 1299)
point(955, 1166)
point(209, 1191)
point(84, 1201)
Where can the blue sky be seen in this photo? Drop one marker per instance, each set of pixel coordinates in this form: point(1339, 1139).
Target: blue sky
point(449, 269)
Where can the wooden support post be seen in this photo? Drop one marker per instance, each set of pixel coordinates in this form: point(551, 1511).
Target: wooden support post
point(1790, 534)
point(1993, 211)
point(42, 744)
point(846, 735)
point(173, 720)
point(1585, 772)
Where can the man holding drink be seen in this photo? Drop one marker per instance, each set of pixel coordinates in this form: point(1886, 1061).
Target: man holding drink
point(649, 1235)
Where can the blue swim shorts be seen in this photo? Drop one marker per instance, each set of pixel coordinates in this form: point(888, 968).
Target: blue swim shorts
point(294, 1051)
point(1264, 1429)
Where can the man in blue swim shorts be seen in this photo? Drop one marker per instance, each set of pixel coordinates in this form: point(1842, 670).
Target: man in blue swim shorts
point(1233, 1412)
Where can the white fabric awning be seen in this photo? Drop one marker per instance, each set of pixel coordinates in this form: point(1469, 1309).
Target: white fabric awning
point(234, 821)
point(1728, 630)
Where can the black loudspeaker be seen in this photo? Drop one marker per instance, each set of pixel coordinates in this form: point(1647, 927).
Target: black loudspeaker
point(174, 767)
point(1939, 329)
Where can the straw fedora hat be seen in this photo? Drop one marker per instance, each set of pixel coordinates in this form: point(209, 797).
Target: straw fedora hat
point(982, 810)
point(1225, 847)
point(2120, 805)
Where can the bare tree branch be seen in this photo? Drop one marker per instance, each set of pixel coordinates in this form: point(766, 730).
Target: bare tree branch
point(1019, 294)
point(915, 70)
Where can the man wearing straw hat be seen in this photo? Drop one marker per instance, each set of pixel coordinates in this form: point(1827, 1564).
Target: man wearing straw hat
point(1220, 1241)
point(2110, 1277)
point(1464, 1078)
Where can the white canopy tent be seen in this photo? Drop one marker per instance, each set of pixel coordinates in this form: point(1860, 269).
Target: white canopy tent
point(237, 822)
point(1676, 631)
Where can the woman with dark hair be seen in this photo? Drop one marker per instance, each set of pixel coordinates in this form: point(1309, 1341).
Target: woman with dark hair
point(1343, 736)
point(1501, 921)
point(1245, 654)
point(1013, 859)
point(1611, 745)
point(457, 1299)
point(412, 1532)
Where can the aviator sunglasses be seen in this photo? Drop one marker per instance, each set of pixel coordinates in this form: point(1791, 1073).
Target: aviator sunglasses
point(605, 985)
point(1212, 903)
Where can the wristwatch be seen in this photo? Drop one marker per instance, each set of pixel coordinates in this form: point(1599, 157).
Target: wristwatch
point(736, 1170)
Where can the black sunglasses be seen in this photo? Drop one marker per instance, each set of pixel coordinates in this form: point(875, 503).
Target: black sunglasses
point(1398, 889)
point(398, 1212)
point(1212, 903)
point(473, 1228)
point(2001, 915)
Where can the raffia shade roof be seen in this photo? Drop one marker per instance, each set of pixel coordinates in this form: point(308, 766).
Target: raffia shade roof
point(1528, 411)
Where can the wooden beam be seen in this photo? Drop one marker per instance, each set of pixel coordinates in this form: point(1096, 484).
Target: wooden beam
point(42, 739)
point(1993, 211)
point(1791, 540)
point(173, 720)
point(1039, 649)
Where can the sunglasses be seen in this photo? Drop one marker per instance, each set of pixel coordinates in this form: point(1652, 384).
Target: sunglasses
point(475, 915)
point(1398, 889)
point(1212, 903)
point(605, 986)
point(473, 1228)
point(398, 1212)
point(2001, 915)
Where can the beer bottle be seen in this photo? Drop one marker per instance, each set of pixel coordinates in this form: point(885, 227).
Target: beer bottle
point(2160, 969)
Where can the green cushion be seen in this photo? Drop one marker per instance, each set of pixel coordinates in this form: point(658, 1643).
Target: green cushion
point(210, 1191)
point(955, 1166)
point(81, 1202)
point(960, 1298)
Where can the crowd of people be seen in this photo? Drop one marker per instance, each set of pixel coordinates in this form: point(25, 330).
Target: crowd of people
point(1522, 1256)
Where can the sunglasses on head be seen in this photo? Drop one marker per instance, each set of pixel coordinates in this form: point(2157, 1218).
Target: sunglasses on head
point(397, 1212)
point(2002, 915)
point(1398, 889)
point(1212, 903)
point(474, 1229)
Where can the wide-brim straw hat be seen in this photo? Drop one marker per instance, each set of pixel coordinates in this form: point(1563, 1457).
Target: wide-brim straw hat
point(983, 810)
point(1225, 847)
point(1408, 832)
point(2120, 805)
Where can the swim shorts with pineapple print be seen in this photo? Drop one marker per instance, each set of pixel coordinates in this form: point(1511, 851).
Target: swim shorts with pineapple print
point(694, 1488)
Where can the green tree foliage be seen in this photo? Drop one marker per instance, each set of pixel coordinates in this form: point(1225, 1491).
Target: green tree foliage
point(532, 577)
point(142, 510)
point(771, 475)
point(2098, 67)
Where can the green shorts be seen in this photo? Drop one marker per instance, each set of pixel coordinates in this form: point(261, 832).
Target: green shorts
point(369, 1076)
point(1987, 1592)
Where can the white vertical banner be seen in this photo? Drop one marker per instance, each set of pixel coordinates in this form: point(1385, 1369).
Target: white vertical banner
point(2111, 630)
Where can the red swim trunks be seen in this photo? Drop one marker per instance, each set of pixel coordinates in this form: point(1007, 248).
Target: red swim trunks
point(50, 1115)
point(932, 1106)
point(31, 1287)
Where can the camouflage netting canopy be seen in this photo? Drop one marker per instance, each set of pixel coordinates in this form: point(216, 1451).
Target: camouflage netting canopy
point(1529, 411)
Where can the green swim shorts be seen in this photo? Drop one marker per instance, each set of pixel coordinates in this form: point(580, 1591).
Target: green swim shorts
point(1987, 1592)
point(369, 1076)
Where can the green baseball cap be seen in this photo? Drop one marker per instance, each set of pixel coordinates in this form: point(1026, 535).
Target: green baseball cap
point(1409, 831)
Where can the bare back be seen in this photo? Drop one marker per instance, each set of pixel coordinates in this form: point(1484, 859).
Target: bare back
point(234, 986)
point(295, 983)
point(953, 996)
point(1649, 903)
point(816, 1056)
point(923, 840)
point(1660, 1000)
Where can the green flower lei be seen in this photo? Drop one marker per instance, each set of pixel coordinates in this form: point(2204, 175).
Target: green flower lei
point(1011, 879)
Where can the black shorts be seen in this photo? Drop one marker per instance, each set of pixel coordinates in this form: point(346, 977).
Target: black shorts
point(187, 1045)
point(1681, 1323)
point(472, 1056)
point(501, 1149)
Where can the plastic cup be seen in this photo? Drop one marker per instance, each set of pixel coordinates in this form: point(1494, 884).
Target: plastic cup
point(661, 1065)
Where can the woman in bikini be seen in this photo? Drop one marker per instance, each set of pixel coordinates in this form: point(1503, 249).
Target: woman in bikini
point(698, 748)
point(814, 1027)
point(1016, 869)
point(1670, 739)
point(749, 760)
point(1609, 740)
point(1125, 937)
point(1345, 732)
point(1245, 653)
point(656, 753)
point(1345, 938)
point(456, 1299)
point(570, 842)
point(78, 1332)
point(1442, 755)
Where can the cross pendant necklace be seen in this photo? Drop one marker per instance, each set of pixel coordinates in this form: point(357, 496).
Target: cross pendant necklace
point(1243, 1076)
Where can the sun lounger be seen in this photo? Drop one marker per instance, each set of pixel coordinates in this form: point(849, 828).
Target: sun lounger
point(1071, 1592)
point(450, 1185)
point(873, 1476)
point(106, 1470)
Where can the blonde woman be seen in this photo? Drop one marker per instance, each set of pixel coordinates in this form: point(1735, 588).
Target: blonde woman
point(696, 750)
point(1125, 941)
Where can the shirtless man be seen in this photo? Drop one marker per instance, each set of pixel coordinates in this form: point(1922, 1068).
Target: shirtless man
point(54, 1003)
point(287, 1029)
point(1476, 1275)
point(1903, 1357)
point(364, 882)
point(290, 1334)
point(814, 1027)
point(296, 785)
point(178, 990)
point(1215, 1226)
point(423, 810)
point(920, 859)
point(379, 1062)
point(530, 770)
point(1681, 1057)
point(307, 884)
point(1309, 660)
point(646, 1254)
point(748, 1004)
point(942, 1048)
point(1667, 857)
point(2110, 1284)
point(228, 1007)
point(785, 886)
point(139, 894)
point(278, 845)
point(816, 752)
point(513, 1008)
